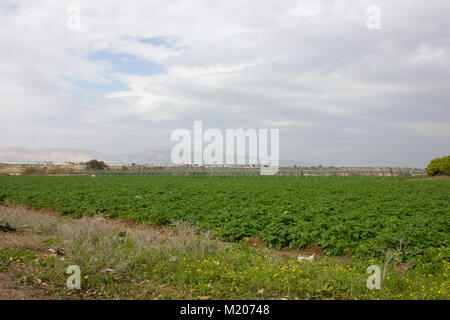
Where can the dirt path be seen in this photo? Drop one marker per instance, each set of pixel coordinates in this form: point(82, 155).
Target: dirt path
point(10, 290)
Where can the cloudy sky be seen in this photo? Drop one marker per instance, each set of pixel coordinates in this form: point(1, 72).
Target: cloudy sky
point(340, 93)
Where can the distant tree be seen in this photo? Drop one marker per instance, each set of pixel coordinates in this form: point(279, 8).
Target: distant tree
point(439, 166)
point(96, 164)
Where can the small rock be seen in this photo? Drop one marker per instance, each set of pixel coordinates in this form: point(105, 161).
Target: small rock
point(61, 296)
point(305, 258)
point(57, 251)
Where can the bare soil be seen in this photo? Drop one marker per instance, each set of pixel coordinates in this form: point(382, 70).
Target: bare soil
point(11, 290)
point(258, 243)
point(430, 178)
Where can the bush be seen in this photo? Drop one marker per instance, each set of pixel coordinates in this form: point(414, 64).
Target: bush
point(97, 165)
point(439, 166)
point(31, 171)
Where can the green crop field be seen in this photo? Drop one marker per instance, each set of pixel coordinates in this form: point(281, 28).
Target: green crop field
point(360, 216)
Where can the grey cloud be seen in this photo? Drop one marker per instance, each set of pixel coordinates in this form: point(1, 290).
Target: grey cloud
point(341, 94)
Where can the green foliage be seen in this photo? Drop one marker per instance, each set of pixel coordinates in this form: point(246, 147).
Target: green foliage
point(52, 241)
point(439, 166)
point(232, 272)
point(96, 165)
point(361, 216)
point(8, 256)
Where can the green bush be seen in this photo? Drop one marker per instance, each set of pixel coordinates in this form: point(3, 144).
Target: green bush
point(439, 166)
point(97, 165)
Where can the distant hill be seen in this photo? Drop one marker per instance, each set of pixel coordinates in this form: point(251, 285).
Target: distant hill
point(62, 155)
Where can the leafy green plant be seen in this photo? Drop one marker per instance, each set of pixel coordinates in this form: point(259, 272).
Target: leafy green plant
point(358, 216)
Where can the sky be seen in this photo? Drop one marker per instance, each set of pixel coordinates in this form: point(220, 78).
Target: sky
point(121, 76)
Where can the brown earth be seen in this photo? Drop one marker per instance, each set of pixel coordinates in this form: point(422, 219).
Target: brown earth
point(43, 169)
point(11, 290)
point(430, 178)
point(258, 243)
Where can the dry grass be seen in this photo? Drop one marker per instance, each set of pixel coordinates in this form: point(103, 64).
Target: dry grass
point(100, 247)
point(93, 243)
point(28, 219)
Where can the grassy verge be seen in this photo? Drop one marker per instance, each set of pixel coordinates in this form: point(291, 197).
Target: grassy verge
point(123, 262)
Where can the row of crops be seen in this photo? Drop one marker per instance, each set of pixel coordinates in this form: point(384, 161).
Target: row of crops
point(361, 216)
